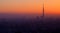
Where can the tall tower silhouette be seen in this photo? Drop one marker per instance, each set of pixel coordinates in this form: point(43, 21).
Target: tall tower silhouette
point(42, 17)
point(43, 10)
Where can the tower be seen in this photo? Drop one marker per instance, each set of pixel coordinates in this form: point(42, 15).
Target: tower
point(42, 18)
point(43, 11)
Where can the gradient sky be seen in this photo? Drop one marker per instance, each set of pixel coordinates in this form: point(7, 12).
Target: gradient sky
point(52, 7)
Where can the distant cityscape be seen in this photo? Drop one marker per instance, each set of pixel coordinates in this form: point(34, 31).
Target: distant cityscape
point(23, 25)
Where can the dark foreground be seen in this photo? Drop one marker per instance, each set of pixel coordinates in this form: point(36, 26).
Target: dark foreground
point(49, 25)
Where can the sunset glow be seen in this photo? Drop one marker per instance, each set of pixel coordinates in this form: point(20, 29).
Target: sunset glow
point(52, 7)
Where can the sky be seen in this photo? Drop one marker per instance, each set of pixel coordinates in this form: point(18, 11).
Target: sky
point(51, 7)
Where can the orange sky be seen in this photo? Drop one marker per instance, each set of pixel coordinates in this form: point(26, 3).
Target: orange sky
point(30, 6)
